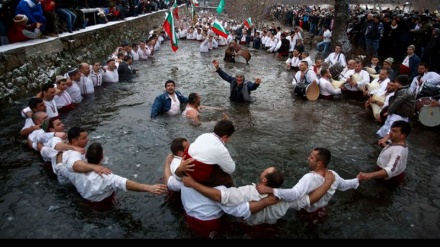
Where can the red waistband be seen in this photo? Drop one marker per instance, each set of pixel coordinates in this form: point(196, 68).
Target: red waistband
point(205, 228)
point(202, 171)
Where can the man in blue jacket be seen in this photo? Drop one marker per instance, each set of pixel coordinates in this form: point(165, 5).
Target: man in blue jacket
point(170, 102)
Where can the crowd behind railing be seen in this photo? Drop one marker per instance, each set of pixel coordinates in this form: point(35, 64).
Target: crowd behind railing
point(22, 20)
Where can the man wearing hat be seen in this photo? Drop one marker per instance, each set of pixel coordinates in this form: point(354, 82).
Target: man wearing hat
point(62, 97)
point(240, 89)
point(20, 31)
point(33, 10)
point(401, 107)
point(72, 85)
point(387, 64)
point(410, 63)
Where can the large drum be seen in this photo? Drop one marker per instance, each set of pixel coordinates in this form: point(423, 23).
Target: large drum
point(428, 115)
point(336, 69)
point(242, 56)
point(312, 91)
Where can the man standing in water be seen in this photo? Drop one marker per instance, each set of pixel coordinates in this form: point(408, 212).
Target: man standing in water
point(240, 88)
point(168, 102)
point(391, 163)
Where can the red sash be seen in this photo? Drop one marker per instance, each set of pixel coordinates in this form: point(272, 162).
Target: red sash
point(326, 97)
point(66, 108)
point(209, 175)
point(404, 70)
point(204, 228)
point(394, 180)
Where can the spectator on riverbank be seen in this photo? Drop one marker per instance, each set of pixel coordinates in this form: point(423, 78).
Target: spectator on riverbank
point(20, 31)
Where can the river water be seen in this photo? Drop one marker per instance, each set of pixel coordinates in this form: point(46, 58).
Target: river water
point(278, 129)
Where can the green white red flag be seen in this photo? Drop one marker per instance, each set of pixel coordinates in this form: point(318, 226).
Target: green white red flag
point(218, 28)
point(175, 10)
point(168, 26)
point(248, 22)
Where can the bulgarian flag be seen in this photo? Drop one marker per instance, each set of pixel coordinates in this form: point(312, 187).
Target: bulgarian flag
point(175, 10)
point(195, 2)
point(168, 26)
point(248, 22)
point(219, 29)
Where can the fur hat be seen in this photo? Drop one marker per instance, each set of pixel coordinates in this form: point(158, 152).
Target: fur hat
point(20, 20)
point(73, 72)
point(402, 80)
point(389, 60)
point(60, 78)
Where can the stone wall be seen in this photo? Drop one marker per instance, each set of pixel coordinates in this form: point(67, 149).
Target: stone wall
point(24, 69)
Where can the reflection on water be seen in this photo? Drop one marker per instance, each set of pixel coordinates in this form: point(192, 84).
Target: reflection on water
point(278, 129)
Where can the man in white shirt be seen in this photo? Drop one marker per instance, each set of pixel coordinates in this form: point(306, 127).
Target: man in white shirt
point(356, 81)
point(336, 57)
point(425, 79)
point(48, 94)
point(211, 156)
point(73, 88)
point(111, 72)
point(62, 97)
point(85, 83)
point(326, 89)
point(93, 181)
point(324, 45)
point(318, 162)
point(270, 177)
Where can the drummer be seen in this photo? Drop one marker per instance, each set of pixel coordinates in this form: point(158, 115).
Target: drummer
point(303, 78)
point(336, 57)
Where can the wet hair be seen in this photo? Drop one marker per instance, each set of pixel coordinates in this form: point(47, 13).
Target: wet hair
point(192, 98)
point(46, 86)
point(74, 132)
point(324, 155)
point(170, 81)
point(95, 153)
point(50, 124)
point(33, 102)
point(37, 115)
point(127, 57)
point(405, 127)
point(275, 179)
point(177, 145)
point(224, 128)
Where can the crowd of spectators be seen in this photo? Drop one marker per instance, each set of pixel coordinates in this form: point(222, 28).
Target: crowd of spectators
point(22, 20)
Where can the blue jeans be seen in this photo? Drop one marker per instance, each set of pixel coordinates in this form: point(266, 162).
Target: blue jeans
point(68, 15)
point(323, 45)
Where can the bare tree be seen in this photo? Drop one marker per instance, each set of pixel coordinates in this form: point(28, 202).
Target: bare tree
point(258, 10)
